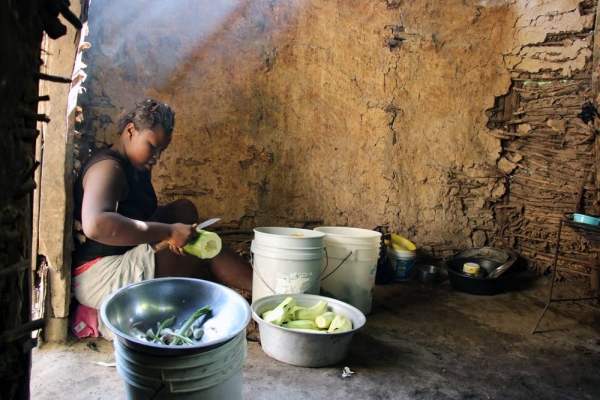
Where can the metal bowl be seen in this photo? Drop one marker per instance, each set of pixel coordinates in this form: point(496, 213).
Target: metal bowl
point(135, 308)
point(427, 273)
point(305, 348)
point(474, 284)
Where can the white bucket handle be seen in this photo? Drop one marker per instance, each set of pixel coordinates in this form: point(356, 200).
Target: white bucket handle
point(336, 268)
point(311, 285)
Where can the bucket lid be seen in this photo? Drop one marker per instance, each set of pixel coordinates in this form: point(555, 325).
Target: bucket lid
point(344, 234)
point(288, 238)
point(291, 233)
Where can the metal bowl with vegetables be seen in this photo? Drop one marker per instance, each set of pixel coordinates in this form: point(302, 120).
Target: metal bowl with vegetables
point(175, 316)
point(305, 329)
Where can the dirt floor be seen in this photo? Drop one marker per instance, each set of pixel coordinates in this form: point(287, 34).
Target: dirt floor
point(422, 341)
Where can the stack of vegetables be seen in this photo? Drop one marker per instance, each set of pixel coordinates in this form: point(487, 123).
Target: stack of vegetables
point(188, 334)
point(315, 319)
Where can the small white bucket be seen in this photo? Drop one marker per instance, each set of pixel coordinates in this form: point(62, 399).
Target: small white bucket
point(350, 266)
point(286, 265)
point(213, 374)
point(401, 262)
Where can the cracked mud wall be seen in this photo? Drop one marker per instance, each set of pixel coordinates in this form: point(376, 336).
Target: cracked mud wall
point(548, 149)
point(351, 113)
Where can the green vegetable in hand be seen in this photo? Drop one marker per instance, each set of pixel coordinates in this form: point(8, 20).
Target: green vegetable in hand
point(206, 245)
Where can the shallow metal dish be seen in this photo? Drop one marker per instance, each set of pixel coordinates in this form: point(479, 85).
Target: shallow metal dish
point(427, 273)
point(489, 253)
point(135, 308)
point(305, 348)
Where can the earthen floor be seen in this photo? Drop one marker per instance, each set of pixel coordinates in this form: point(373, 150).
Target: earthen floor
point(421, 341)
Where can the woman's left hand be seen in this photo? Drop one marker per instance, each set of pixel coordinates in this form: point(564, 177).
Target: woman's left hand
point(177, 250)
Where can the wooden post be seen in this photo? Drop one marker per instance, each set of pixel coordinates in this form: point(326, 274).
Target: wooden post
point(595, 273)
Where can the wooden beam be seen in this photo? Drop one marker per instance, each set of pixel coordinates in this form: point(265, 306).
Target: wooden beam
point(595, 275)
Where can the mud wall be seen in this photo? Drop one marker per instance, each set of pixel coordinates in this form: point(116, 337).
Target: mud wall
point(349, 113)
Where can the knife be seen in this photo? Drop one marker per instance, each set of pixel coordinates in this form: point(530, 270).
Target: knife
point(164, 244)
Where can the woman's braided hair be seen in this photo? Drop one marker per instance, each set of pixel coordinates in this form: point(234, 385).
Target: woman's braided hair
point(149, 114)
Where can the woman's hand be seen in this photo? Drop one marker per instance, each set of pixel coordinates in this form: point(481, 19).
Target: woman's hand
point(181, 234)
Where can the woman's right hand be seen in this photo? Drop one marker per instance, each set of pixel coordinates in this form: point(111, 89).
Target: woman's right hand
point(181, 234)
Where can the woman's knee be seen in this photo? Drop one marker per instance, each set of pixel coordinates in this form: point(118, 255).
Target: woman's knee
point(187, 210)
point(182, 211)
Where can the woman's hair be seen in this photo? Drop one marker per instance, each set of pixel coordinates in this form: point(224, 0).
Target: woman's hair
point(149, 114)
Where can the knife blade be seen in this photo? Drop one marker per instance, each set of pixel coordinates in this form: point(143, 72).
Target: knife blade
point(208, 222)
point(156, 247)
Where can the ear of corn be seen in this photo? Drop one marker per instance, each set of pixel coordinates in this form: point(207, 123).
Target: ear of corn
point(311, 313)
point(340, 324)
point(206, 245)
point(324, 320)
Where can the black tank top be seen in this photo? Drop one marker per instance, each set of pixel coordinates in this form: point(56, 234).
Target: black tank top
point(139, 203)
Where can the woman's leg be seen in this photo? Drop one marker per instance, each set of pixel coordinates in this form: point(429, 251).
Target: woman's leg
point(227, 268)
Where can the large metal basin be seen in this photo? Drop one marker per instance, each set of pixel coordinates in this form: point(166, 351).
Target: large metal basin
point(305, 348)
point(135, 308)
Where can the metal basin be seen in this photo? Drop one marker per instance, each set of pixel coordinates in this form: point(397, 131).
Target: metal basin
point(135, 308)
point(305, 348)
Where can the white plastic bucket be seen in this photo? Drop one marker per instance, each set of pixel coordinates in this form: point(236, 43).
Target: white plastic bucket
point(401, 262)
point(215, 374)
point(350, 266)
point(286, 261)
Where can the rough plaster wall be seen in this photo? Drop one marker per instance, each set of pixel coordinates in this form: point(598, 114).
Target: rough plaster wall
point(355, 113)
point(548, 150)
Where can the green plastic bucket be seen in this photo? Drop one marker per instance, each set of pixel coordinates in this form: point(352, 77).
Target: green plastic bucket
point(215, 374)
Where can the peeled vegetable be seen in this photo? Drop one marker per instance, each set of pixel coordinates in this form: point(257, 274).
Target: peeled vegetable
point(340, 324)
point(300, 324)
point(312, 312)
point(311, 319)
point(206, 245)
point(323, 321)
point(279, 314)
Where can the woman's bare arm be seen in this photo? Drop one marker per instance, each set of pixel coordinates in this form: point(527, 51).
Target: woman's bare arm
point(104, 184)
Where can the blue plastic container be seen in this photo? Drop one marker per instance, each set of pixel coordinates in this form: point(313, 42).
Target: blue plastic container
point(586, 219)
